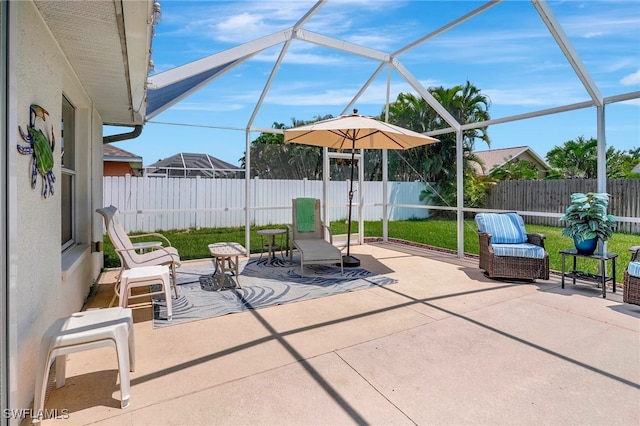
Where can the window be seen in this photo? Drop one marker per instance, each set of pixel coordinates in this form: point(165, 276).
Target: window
point(68, 175)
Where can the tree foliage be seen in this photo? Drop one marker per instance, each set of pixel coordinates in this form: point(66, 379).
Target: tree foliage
point(515, 170)
point(271, 158)
point(436, 163)
point(577, 159)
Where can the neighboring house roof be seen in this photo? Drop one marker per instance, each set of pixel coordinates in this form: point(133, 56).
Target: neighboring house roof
point(113, 153)
point(497, 157)
point(191, 165)
point(636, 169)
point(118, 162)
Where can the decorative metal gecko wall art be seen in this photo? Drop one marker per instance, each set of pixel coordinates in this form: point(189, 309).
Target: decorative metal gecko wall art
point(41, 150)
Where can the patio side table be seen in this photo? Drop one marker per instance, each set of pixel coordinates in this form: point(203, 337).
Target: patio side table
point(602, 258)
point(225, 258)
point(271, 245)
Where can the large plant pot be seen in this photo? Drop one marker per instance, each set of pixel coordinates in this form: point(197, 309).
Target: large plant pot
point(586, 246)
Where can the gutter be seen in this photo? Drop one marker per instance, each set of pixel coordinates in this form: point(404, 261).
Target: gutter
point(137, 130)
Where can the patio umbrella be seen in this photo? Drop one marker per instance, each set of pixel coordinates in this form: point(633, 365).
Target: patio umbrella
point(355, 132)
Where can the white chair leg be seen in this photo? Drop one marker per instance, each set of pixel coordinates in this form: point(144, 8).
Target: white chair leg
point(132, 349)
point(166, 283)
point(61, 370)
point(123, 352)
point(42, 379)
point(174, 281)
point(124, 293)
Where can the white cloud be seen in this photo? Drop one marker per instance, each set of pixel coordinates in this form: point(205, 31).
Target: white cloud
point(602, 23)
point(312, 94)
point(548, 94)
point(631, 79)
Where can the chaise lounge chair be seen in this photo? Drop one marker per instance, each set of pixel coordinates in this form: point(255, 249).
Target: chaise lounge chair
point(128, 252)
point(308, 235)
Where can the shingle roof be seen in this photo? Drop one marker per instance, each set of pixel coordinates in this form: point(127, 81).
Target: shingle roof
point(190, 165)
point(113, 153)
point(496, 157)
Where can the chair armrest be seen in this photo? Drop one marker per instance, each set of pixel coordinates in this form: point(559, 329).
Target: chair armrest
point(635, 255)
point(537, 239)
point(485, 242)
point(153, 234)
point(153, 248)
point(330, 234)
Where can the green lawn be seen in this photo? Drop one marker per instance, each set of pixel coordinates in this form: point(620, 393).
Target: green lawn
point(192, 244)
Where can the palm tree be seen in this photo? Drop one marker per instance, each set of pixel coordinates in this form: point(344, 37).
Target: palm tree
point(436, 162)
point(576, 159)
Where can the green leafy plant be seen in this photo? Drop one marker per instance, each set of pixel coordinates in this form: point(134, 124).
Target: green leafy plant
point(587, 217)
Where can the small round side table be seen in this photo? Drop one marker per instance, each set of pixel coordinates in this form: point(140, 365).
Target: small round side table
point(271, 245)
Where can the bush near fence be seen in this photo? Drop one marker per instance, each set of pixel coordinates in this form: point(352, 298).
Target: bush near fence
point(553, 196)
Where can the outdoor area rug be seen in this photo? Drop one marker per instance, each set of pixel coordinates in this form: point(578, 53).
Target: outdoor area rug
point(263, 284)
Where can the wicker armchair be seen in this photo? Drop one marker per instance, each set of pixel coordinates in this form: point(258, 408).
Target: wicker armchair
point(507, 251)
point(632, 280)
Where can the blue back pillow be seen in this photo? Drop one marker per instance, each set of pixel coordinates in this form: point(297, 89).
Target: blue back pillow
point(505, 228)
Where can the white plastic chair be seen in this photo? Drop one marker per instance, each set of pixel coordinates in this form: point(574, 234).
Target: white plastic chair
point(127, 252)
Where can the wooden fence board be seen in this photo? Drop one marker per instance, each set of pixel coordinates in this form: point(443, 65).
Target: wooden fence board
point(553, 196)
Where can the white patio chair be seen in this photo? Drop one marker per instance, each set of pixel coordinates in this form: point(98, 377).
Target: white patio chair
point(128, 253)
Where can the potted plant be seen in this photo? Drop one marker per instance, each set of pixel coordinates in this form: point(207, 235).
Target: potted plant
point(588, 221)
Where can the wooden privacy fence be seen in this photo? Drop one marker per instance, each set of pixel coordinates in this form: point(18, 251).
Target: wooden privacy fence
point(149, 204)
point(553, 196)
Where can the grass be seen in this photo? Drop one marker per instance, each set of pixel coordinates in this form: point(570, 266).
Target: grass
point(192, 244)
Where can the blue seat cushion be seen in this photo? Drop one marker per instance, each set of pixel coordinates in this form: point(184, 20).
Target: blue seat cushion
point(505, 228)
point(634, 269)
point(531, 251)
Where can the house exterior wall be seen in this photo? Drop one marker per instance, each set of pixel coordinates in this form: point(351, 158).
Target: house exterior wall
point(49, 283)
point(525, 156)
point(114, 168)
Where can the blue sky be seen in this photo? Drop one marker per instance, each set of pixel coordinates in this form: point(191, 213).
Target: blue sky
point(507, 52)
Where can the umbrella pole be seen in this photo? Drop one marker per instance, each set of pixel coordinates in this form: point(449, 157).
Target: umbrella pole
point(348, 260)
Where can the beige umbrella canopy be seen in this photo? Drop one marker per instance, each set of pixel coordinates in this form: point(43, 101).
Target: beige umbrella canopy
point(355, 132)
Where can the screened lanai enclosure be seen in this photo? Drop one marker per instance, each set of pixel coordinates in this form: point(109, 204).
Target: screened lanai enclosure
point(388, 66)
point(190, 165)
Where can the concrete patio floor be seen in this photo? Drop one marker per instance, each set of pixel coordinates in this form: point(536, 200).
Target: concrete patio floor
point(444, 345)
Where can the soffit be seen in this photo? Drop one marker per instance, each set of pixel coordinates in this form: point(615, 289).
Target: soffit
point(109, 57)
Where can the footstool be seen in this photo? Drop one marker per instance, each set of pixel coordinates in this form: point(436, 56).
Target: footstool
point(80, 332)
point(144, 276)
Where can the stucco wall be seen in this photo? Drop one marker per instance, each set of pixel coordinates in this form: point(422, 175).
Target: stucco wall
point(113, 168)
point(50, 284)
point(542, 172)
